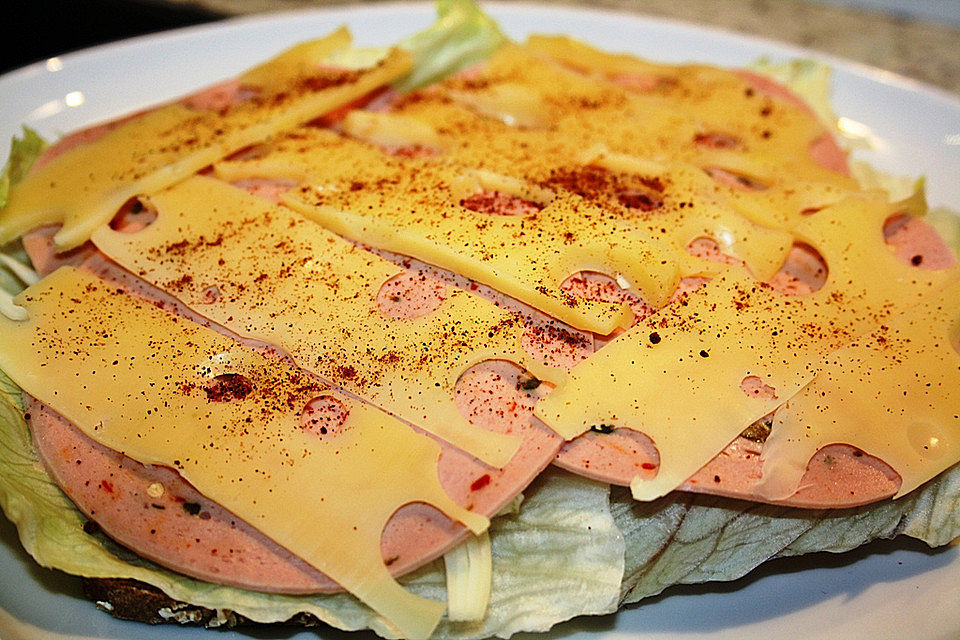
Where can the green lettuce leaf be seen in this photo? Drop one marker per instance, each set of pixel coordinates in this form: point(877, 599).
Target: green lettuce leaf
point(689, 539)
point(9, 282)
point(23, 152)
point(946, 222)
point(462, 36)
point(808, 79)
point(897, 187)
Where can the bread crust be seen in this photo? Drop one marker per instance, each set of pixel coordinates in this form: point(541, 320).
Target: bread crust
point(137, 601)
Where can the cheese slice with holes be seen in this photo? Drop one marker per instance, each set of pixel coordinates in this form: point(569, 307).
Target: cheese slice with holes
point(267, 273)
point(685, 207)
point(672, 201)
point(676, 375)
point(135, 379)
point(894, 393)
point(702, 116)
point(85, 186)
point(714, 113)
point(593, 139)
point(414, 207)
point(629, 197)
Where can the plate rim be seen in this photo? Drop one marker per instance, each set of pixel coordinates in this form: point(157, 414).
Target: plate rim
point(861, 70)
point(231, 22)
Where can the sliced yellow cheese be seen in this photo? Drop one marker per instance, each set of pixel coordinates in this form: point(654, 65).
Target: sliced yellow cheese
point(685, 208)
point(712, 99)
point(676, 376)
point(390, 131)
point(672, 201)
point(415, 207)
point(85, 186)
point(589, 60)
point(138, 380)
point(299, 61)
point(267, 273)
point(894, 394)
point(703, 116)
point(549, 128)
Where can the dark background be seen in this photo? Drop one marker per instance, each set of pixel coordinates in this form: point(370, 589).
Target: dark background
point(39, 29)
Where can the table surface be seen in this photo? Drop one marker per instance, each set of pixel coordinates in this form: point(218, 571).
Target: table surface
point(915, 38)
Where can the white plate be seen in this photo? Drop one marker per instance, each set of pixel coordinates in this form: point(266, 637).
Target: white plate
point(890, 590)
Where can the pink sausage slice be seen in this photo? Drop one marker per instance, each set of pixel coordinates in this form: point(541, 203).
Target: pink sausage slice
point(154, 511)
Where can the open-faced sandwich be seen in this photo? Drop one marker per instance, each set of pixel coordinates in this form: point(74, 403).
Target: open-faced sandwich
point(465, 337)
